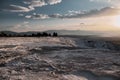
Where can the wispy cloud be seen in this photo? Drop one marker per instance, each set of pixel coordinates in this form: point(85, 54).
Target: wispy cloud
point(31, 5)
point(35, 3)
point(106, 0)
point(112, 2)
point(17, 8)
point(16, 27)
point(52, 2)
point(25, 26)
point(103, 0)
point(3, 28)
point(28, 16)
point(37, 16)
point(20, 14)
point(107, 11)
point(40, 3)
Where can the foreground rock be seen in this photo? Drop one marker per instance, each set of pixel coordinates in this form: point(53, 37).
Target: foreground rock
point(58, 59)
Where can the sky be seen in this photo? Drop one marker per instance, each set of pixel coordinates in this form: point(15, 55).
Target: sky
point(42, 15)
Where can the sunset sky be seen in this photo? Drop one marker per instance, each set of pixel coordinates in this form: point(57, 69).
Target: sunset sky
point(41, 15)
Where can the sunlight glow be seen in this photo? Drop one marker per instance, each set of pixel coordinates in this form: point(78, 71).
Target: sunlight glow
point(117, 21)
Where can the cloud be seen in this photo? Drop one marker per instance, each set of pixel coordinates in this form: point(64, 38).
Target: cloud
point(35, 3)
point(20, 27)
point(20, 14)
point(17, 8)
point(107, 11)
point(31, 4)
point(25, 26)
point(40, 3)
point(4, 28)
point(52, 2)
point(115, 3)
point(105, 0)
point(28, 16)
point(37, 16)
point(25, 22)
point(57, 15)
point(101, 0)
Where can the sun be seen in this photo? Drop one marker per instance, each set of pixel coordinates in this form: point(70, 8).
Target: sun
point(117, 21)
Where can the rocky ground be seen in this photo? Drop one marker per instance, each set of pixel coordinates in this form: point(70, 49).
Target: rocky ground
point(61, 58)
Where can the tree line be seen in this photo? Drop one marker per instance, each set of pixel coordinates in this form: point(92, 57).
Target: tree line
point(39, 34)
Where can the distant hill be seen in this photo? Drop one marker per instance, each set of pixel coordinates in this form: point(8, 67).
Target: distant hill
point(60, 32)
point(9, 32)
point(74, 32)
point(20, 33)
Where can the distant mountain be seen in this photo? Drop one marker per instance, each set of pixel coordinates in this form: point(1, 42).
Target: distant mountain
point(9, 32)
point(60, 32)
point(74, 32)
point(20, 33)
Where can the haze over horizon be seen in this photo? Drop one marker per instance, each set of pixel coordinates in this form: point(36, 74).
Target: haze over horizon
point(41, 15)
